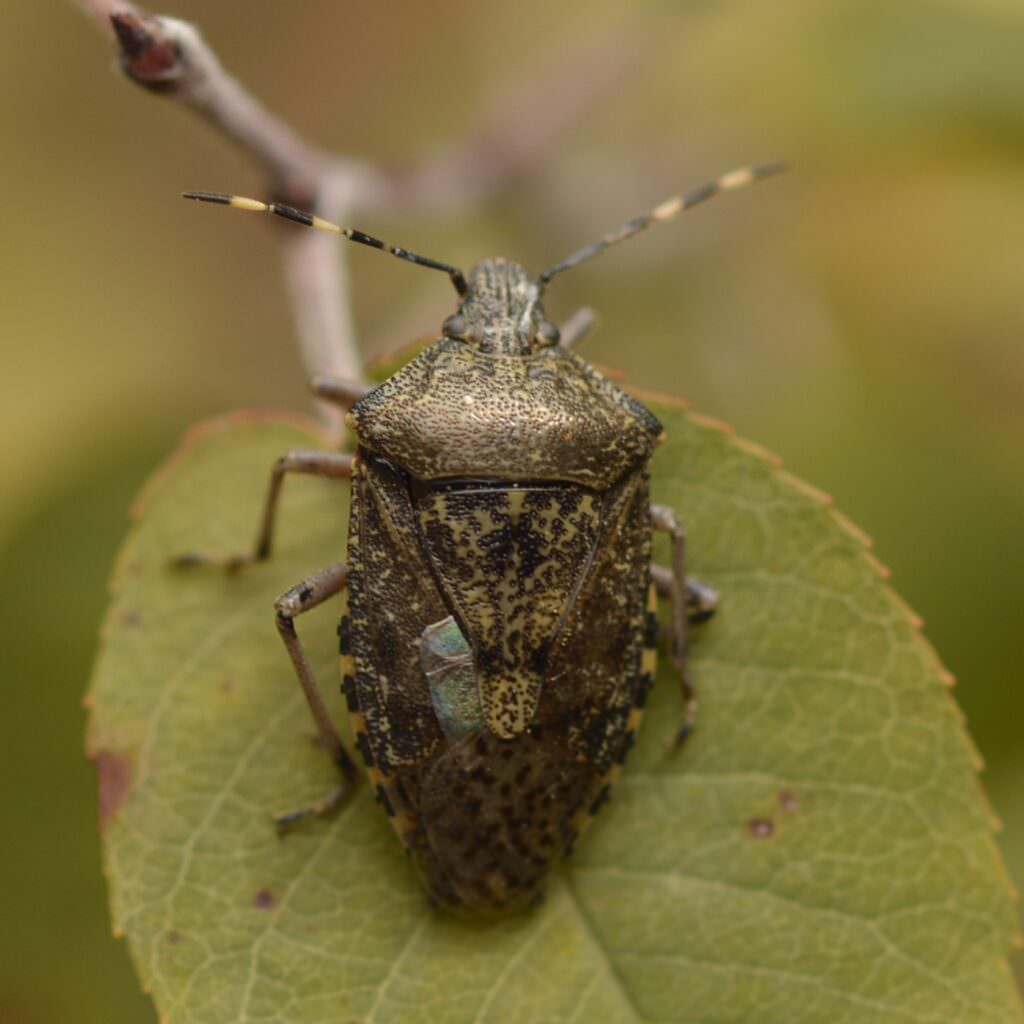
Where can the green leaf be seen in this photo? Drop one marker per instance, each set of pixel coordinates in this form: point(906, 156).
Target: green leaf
point(819, 851)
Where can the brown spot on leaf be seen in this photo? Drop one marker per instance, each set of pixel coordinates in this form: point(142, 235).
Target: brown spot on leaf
point(788, 801)
point(114, 775)
point(130, 617)
point(173, 937)
point(264, 900)
point(761, 828)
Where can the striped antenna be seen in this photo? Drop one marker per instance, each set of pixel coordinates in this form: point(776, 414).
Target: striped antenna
point(666, 211)
point(308, 220)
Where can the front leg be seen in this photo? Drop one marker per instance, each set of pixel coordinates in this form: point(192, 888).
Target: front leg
point(334, 465)
point(576, 327)
point(313, 591)
point(340, 392)
point(692, 602)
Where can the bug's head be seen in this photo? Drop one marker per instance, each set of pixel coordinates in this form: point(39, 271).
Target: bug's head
point(501, 311)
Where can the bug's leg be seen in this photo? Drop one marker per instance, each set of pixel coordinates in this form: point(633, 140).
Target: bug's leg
point(701, 599)
point(576, 327)
point(335, 465)
point(313, 591)
point(338, 391)
point(679, 591)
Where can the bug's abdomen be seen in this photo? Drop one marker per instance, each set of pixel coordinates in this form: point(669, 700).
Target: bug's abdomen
point(496, 816)
point(463, 593)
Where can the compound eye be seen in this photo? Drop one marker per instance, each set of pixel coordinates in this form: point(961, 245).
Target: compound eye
point(454, 326)
point(548, 333)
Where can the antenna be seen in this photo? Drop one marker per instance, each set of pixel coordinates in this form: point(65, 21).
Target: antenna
point(739, 178)
point(308, 220)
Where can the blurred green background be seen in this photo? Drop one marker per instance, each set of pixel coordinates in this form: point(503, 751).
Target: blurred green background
point(863, 317)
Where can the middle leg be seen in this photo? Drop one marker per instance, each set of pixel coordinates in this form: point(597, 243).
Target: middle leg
point(692, 602)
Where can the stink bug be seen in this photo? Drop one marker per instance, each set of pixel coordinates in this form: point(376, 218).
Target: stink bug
point(499, 629)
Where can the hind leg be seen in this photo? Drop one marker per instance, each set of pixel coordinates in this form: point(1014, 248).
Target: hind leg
point(303, 597)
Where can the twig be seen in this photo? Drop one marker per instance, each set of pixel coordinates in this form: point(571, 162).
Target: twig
point(101, 11)
point(170, 58)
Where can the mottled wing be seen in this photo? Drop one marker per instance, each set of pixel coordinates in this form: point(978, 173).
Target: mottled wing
point(510, 561)
point(604, 660)
point(392, 598)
